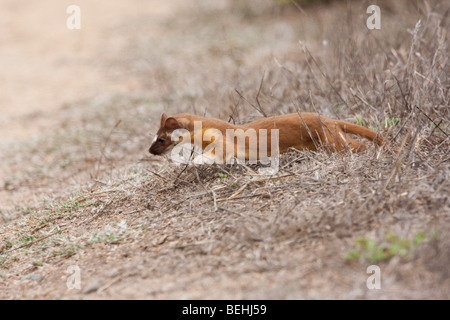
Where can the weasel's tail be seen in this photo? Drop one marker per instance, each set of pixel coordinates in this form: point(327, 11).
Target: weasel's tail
point(361, 131)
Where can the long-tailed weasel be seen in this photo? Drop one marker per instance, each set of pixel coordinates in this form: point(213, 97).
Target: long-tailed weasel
point(302, 131)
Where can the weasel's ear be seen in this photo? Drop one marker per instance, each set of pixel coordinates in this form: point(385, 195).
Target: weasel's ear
point(163, 119)
point(172, 123)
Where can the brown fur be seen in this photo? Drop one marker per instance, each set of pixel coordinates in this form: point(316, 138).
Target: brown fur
point(302, 131)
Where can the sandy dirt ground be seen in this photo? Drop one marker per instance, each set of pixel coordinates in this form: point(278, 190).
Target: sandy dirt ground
point(46, 65)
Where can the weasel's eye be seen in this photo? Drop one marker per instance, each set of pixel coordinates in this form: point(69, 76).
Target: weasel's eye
point(161, 140)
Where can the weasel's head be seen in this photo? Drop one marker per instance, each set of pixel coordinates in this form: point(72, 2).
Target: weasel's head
point(163, 142)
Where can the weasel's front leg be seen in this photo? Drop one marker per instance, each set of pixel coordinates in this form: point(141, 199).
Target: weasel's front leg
point(209, 157)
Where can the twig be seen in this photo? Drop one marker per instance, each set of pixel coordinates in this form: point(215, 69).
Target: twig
point(398, 162)
point(156, 174)
point(401, 128)
point(437, 125)
point(38, 240)
point(255, 107)
point(234, 195)
point(206, 189)
point(185, 167)
point(433, 82)
point(257, 95)
point(307, 129)
point(102, 155)
point(100, 212)
point(305, 49)
point(239, 198)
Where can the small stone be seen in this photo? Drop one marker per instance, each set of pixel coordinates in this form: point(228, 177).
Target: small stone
point(33, 277)
point(92, 287)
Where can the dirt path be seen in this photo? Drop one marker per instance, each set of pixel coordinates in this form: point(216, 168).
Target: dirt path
point(45, 65)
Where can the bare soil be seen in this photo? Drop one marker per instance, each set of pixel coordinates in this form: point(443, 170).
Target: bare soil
point(79, 190)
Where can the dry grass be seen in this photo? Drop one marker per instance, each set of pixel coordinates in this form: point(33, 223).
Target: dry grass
point(139, 227)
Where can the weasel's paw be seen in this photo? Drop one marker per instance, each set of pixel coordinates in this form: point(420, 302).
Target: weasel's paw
point(203, 159)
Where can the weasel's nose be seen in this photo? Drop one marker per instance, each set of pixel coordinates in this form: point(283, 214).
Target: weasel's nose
point(156, 150)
